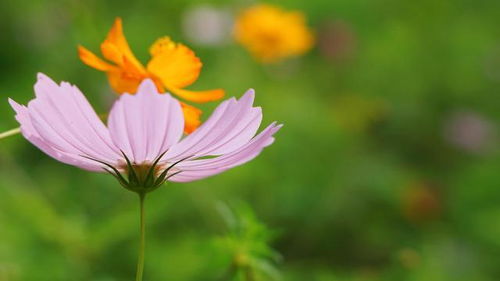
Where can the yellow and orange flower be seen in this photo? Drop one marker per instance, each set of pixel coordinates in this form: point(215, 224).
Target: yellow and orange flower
point(272, 34)
point(172, 67)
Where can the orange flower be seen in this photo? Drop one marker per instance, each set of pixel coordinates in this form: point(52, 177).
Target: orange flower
point(172, 67)
point(271, 34)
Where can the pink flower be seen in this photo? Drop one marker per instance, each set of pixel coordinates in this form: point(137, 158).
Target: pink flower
point(144, 136)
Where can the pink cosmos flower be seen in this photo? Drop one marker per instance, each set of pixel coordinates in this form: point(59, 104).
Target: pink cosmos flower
point(142, 144)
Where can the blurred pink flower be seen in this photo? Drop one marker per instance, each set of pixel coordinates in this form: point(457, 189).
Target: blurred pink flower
point(469, 131)
point(207, 25)
point(143, 138)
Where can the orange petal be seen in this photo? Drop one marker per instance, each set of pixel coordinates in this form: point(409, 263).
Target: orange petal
point(92, 60)
point(112, 53)
point(115, 48)
point(198, 96)
point(174, 64)
point(122, 82)
point(191, 117)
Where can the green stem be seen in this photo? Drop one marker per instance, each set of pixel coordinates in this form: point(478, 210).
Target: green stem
point(10, 133)
point(140, 260)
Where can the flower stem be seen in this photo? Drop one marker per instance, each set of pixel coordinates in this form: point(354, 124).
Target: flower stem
point(10, 133)
point(142, 244)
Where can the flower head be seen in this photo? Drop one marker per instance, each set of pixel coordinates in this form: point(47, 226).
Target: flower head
point(172, 67)
point(272, 34)
point(142, 144)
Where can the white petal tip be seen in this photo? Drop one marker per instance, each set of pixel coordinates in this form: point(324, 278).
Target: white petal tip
point(248, 98)
point(44, 80)
point(250, 91)
point(41, 76)
point(275, 127)
point(147, 86)
point(249, 94)
point(14, 104)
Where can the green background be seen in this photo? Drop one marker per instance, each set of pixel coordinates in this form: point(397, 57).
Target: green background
point(362, 183)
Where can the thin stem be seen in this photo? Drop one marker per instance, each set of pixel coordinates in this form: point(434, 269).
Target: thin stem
point(142, 244)
point(10, 133)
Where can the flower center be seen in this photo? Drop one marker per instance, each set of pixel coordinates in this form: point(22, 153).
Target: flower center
point(144, 177)
point(142, 170)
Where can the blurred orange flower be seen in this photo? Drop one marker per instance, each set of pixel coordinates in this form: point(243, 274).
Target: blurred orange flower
point(172, 67)
point(272, 34)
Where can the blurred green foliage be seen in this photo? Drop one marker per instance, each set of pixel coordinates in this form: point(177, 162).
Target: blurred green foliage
point(387, 168)
point(248, 240)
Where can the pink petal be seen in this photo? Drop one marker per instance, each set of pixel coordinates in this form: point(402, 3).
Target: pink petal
point(231, 126)
point(62, 133)
point(146, 124)
point(199, 169)
point(64, 118)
